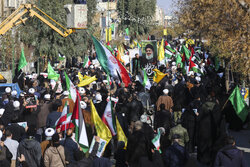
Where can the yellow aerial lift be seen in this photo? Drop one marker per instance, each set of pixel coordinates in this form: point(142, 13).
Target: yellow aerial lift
point(16, 18)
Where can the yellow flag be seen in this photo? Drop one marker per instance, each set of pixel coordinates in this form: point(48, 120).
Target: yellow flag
point(120, 134)
point(108, 34)
point(165, 32)
point(121, 50)
point(85, 77)
point(1, 77)
point(87, 81)
point(161, 54)
point(80, 77)
point(101, 129)
point(158, 75)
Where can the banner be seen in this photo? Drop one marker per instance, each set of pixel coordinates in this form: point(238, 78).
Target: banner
point(149, 57)
point(101, 147)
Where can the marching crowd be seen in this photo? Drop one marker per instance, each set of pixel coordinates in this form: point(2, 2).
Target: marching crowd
point(187, 110)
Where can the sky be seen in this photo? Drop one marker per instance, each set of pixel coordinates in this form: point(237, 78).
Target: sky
point(166, 5)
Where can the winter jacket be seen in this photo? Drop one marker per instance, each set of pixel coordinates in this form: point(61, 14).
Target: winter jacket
point(86, 162)
point(54, 157)
point(180, 131)
point(5, 154)
point(155, 161)
point(70, 148)
point(31, 150)
point(176, 156)
point(230, 156)
point(167, 100)
point(102, 162)
point(52, 118)
point(42, 115)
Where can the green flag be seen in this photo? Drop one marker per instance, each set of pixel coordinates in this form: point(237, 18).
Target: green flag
point(112, 26)
point(22, 61)
point(239, 104)
point(185, 50)
point(127, 31)
point(51, 73)
point(179, 60)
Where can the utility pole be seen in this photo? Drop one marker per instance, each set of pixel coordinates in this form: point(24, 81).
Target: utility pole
point(108, 23)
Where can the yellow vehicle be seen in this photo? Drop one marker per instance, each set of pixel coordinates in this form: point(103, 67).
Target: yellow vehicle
point(16, 18)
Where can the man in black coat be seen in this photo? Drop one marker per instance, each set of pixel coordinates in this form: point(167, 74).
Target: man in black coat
point(206, 126)
point(176, 155)
point(230, 156)
point(190, 121)
point(137, 64)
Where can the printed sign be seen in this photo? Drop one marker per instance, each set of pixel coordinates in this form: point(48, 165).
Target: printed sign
point(101, 147)
point(149, 57)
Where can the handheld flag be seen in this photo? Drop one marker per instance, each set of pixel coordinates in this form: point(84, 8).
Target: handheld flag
point(109, 63)
point(70, 87)
point(109, 119)
point(80, 76)
point(120, 134)
point(64, 122)
point(87, 81)
point(52, 74)
point(127, 31)
point(156, 140)
point(86, 62)
point(165, 32)
point(101, 129)
point(61, 58)
point(80, 129)
point(158, 75)
point(161, 51)
point(22, 61)
point(145, 82)
point(239, 104)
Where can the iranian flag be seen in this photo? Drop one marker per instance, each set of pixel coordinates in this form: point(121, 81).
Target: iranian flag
point(86, 62)
point(80, 129)
point(64, 122)
point(70, 87)
point(110, 63)
point(109, 118)
point(156, 140)
point(193, 66)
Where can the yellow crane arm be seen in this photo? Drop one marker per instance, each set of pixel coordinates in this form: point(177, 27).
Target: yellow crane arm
point(16, 18)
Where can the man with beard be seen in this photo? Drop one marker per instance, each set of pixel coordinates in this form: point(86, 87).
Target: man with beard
point(149, 61)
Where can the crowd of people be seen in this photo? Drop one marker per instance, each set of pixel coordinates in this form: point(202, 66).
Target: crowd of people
point(188, 109)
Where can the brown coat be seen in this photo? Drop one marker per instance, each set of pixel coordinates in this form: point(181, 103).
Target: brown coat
point(87, 117)
point(44, 144)
point(42, 115)
point(52, 158)
point(167, 100)
point(70, 103)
